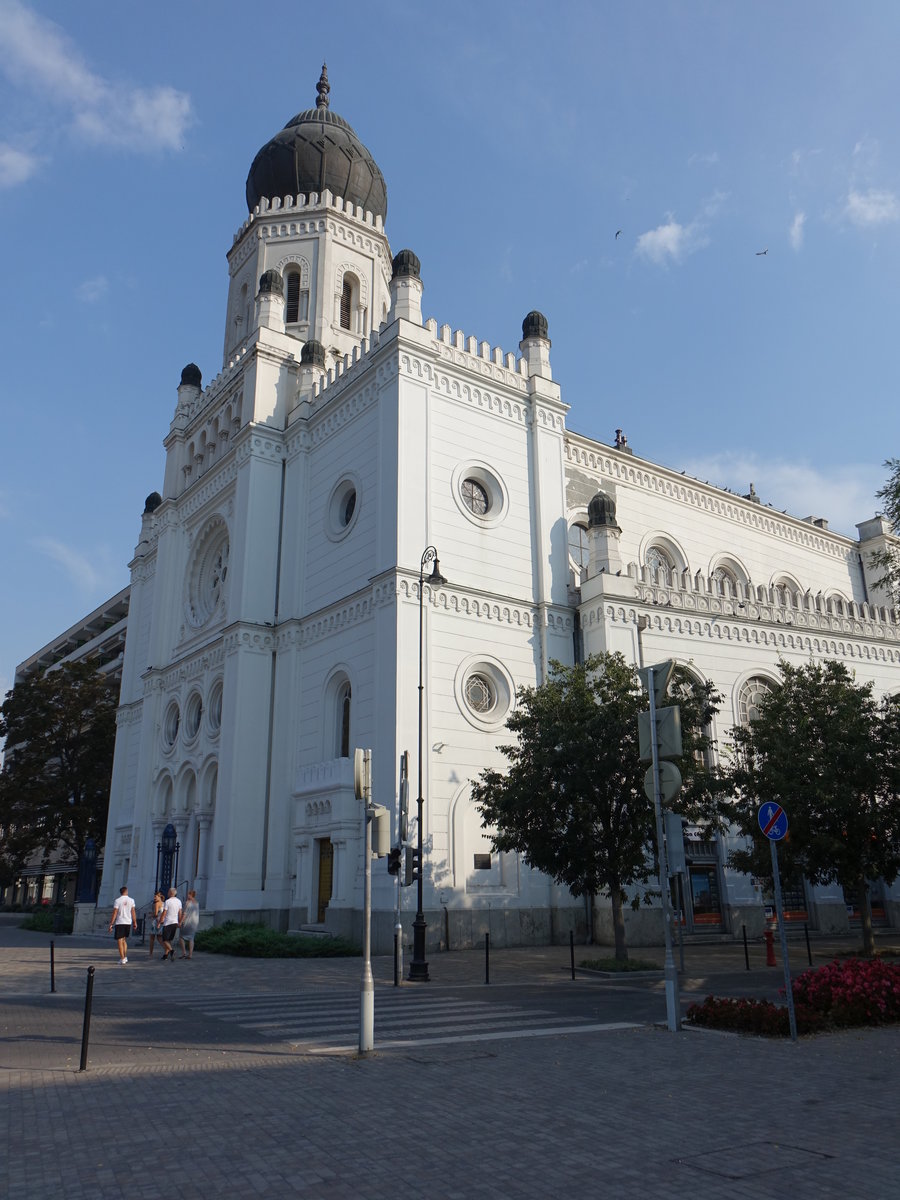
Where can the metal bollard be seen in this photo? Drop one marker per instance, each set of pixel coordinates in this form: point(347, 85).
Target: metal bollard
point(572, 950)
point(487, 958)
point(746, 951)
point(86, 1028)
point(396, 959)
point(808, 948)
point(52, 969)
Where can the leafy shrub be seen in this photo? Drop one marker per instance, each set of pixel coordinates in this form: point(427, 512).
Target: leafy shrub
point(258, 941)
point(618, 964)
point(843, 993)
point(857, 991)
point(50, 920)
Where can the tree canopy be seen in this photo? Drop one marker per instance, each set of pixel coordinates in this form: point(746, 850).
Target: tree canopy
point(572, 801)
point(889, 559)
point(59, 728)
point(829, 753)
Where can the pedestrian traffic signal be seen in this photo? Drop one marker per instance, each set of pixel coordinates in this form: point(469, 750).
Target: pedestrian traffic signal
point(413, 866)
point(395, 855)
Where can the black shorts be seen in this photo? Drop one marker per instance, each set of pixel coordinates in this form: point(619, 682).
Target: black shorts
point(122, 931)
point(168, 933)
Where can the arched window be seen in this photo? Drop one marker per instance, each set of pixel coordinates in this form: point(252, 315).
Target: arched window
point(296, 306)
point(578, 545)
point(661, 564)
point(751, 694)
point(343, 712)
point(347, 303)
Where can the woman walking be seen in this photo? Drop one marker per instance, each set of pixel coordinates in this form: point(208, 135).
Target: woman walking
point(190, 920)
point(154, 920)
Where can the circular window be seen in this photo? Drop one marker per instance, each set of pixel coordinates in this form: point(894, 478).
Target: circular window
point(479, 493)
point(214, 711)
point(481, 695)
point(192, 715)
point(343, 508)
point(475, 497)
point(484, 692)
point(208, 574)
point(171, 724)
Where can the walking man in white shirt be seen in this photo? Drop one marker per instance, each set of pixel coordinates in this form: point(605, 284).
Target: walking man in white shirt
point(124, 918)
point(171, 919)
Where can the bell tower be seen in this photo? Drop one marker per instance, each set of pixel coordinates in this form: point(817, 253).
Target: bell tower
point(317, 203)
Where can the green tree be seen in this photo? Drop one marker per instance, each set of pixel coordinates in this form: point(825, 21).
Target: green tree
point(889, 559)
point(60, 728)
point(572, 801)
point(827, 751)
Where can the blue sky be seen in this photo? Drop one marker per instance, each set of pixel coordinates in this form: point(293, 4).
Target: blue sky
point(515, 140)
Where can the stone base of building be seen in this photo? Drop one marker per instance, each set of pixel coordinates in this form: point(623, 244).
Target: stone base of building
point(85, 919)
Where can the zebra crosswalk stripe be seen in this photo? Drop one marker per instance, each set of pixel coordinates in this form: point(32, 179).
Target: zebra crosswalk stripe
point(329, 1022)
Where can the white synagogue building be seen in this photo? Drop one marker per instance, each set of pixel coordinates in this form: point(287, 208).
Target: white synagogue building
point(274, 619)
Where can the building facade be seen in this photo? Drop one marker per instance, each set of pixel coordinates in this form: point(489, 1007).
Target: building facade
point(275, 616)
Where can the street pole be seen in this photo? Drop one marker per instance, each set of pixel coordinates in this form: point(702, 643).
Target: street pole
point(782, 933)
point(673, 1014)
point(418, 968)
point(367, 987)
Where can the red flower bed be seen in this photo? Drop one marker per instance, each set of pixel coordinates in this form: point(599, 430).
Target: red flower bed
point(857, 991)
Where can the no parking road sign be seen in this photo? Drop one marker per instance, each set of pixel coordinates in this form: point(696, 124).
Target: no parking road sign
point(773, 821)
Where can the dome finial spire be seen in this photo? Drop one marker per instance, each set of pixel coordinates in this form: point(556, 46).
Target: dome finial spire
point(323, 87)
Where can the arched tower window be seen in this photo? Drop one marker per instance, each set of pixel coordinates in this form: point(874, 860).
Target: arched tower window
point(661, 564)
point(296, 306)
point(347, 303)
point(344, 721)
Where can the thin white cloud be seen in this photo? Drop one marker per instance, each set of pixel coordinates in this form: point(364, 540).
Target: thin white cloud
point(16, 166)
point(671, 242)
point(797, 229)
point(706, 160)
point(877, 206)
point(92, 290)
point(79, 568)
point(843, 495)
point(37, 54)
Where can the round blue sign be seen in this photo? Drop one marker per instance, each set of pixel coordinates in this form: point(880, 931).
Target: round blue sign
point(773, 821)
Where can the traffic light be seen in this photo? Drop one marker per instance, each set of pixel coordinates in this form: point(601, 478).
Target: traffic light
point(395, 856)
point(413, 866)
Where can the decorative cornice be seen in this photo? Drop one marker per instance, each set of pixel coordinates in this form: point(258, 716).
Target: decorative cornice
point(210, 490)
point(776, 638)
point(255, 638)
point(627, 469)
point(129, 714)
point(193, 666)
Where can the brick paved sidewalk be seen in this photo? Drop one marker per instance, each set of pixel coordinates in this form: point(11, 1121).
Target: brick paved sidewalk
point(638, 1114)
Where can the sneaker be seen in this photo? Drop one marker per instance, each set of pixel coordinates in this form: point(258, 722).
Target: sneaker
point(123, 961)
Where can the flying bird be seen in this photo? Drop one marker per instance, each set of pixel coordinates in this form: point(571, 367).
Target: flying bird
point(759, 253)
point(618, 231)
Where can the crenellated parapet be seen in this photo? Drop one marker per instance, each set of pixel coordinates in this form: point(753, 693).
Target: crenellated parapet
point(710, 596)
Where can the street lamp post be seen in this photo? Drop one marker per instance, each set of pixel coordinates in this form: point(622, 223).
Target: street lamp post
point(418, 968)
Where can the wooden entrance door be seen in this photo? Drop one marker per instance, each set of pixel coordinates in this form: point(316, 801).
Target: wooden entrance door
point(326, 871)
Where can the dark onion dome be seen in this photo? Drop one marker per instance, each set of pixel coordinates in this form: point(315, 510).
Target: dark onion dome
point(152, 503)
point(316, 150)
point(535, 325)
point(405, 263)
point(602, 512)
point(191, 376)
point(271, 282)
point(313, 352)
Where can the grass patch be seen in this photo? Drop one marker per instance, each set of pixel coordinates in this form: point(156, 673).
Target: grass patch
point(50, 920)
point(618, 964)
point(259, 941)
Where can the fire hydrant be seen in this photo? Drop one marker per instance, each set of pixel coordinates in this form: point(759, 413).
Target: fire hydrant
point(770, 948)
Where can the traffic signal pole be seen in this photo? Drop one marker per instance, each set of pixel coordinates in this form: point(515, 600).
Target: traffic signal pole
point(673, 1003)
